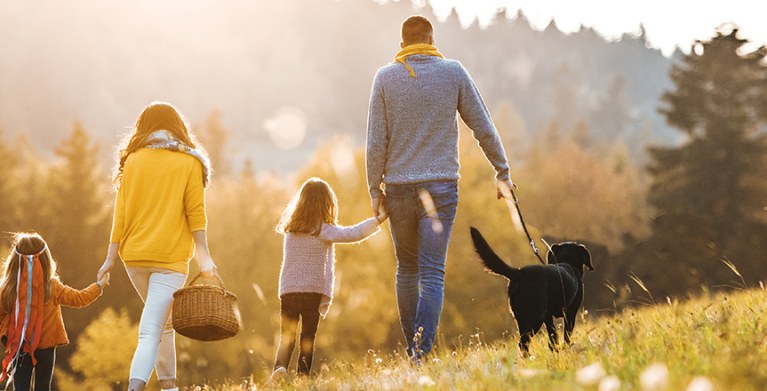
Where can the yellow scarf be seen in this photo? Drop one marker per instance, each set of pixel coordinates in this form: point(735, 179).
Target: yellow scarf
point(418, 48)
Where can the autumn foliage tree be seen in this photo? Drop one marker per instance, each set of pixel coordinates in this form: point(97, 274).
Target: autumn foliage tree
point(8, 191)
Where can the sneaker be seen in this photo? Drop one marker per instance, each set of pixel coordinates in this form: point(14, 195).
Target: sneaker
point(278, 375)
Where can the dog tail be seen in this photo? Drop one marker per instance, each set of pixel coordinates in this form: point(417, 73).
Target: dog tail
point(493, 263)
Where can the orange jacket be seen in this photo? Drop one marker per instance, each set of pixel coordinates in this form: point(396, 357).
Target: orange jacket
point(53, 331)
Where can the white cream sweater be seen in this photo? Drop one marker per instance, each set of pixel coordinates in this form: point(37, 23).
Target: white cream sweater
point(308, 260)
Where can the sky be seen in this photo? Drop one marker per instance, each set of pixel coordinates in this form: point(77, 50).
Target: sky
point(668, 23)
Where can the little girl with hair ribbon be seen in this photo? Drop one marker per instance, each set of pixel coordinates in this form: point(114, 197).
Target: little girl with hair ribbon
point(31, 325)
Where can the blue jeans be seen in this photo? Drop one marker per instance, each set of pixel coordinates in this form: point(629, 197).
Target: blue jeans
point(421, 234)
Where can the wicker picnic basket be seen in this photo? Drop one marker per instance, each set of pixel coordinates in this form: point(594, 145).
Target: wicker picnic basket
point(206, 312)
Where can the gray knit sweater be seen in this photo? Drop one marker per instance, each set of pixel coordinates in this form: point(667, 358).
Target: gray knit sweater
point(412, 127)
point(308, 260)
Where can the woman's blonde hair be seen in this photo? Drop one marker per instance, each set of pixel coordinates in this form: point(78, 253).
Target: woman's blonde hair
point(156, 116)
point(314, 204)
point(25, 243)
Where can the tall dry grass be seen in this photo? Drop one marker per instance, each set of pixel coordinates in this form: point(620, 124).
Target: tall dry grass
point(713, 342)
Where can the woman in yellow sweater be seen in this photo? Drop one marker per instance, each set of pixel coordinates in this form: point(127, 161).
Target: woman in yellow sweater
point(159, 225)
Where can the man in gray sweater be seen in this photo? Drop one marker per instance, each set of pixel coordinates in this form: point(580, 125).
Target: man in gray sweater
point(412, 148)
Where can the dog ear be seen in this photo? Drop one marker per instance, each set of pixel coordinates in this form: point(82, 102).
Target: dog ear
point(586, 256)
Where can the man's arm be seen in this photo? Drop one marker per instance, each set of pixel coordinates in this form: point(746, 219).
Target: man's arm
point(474, 112)
point(377, 143)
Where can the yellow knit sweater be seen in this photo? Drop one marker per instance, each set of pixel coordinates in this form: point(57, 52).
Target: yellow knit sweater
point(161, 201)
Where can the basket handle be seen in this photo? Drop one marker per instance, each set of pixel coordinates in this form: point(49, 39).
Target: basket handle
point(218, 278)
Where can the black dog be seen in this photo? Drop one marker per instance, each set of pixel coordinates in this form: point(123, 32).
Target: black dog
point(539, 293)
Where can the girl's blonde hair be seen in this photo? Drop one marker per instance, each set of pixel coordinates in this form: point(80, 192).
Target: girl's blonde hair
point(314, 204)
point(156, 116)
point(28, 243)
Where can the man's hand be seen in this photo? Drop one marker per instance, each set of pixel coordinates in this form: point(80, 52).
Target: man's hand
point(379, 208)
point(503, 189)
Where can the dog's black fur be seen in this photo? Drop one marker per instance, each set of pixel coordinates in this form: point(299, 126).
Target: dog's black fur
point(539, 293)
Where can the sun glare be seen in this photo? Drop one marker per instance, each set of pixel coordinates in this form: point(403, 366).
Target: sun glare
point(286, 127)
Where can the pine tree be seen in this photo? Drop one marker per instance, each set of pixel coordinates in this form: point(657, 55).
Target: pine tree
point(77, 229)
point(612, 119)
point(78, 202)
point(710, 190)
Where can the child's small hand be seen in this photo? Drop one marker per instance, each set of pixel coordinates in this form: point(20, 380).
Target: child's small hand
point(103, 281)
point(383, 214)
point(324, 308)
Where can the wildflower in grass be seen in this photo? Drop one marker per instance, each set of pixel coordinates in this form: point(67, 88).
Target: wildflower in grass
point(654, 377)
point(379, 360)
point(435, 360)
point(610, 383)
point(529, 372)
point(425, 381)
point(700, 383)
point(590, 375)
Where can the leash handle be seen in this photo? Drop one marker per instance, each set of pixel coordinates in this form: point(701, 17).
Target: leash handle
point(524, 227)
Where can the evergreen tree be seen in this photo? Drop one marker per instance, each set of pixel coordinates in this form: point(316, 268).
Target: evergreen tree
point(32, 204)
point(77, 201)
point(77, 228)
point(710, 190)
point(612, 118)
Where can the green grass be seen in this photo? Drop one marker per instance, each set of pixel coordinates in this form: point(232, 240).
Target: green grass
point(721, 338)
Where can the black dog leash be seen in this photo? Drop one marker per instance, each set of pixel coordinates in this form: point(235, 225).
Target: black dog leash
point(522, 220)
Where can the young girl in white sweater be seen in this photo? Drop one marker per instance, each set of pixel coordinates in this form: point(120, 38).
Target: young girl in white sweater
point(309, 226)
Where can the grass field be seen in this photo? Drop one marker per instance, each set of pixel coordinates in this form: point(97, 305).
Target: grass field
point(713, 342)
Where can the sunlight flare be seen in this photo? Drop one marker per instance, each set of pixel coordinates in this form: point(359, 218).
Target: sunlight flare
point(431, 211)
point(342, 159)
